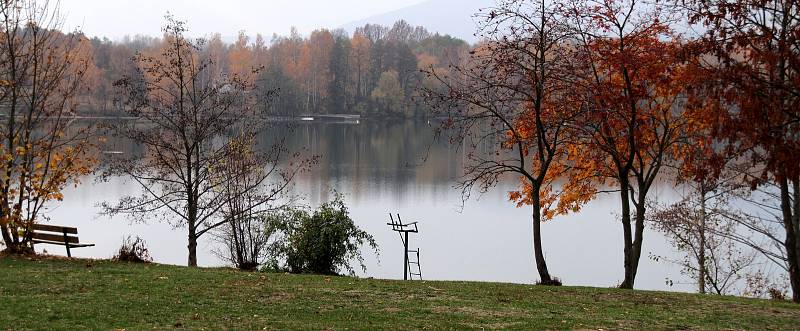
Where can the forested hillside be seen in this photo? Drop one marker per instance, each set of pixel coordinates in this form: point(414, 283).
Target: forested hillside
point(373, 72)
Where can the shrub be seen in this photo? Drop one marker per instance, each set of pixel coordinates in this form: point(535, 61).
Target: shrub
point(244, 240)
point(326, 241)
point(776, 294)
point(133, 250)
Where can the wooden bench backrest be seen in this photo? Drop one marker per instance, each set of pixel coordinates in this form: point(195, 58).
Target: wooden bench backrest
point(55, 228)
point(56, 233)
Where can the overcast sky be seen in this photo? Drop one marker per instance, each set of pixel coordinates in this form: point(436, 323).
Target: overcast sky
point(117, 18)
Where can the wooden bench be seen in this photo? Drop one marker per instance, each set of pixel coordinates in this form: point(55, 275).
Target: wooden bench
point(56, 235)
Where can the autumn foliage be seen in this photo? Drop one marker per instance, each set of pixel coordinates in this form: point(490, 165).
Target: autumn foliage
point(372, 71)
point(632, 103)
point(574, 98)
point(41, 76)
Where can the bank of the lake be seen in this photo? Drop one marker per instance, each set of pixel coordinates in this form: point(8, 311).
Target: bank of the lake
point(397, 167)
point(49, 294)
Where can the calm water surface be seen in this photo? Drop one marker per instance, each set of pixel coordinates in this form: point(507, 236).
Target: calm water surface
point(395, 168)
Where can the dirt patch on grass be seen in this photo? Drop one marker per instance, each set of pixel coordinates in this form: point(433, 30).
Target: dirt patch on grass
point(630, 297)
point(492, 326)
point(476, 312)
point(357, 293)
point(276, 297)
point(744, 310)
point(40, 257)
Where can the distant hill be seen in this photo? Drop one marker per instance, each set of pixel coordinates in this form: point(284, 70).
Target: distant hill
point(453, 17)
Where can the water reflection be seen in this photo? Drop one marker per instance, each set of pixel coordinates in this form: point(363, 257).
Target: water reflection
point(395, 167)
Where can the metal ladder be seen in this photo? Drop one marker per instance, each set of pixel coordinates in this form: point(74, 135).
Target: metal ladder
point(416, 262)
point(402, 231)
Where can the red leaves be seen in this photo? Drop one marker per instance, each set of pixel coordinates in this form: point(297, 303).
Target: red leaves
point(753, 79)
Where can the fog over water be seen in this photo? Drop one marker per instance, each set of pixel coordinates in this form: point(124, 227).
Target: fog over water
point(387, 168)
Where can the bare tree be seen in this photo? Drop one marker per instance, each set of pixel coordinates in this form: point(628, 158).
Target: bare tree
point(249, 201)
point(698, 225)
point(41, 71)
point(188, 120)
point(757, 215)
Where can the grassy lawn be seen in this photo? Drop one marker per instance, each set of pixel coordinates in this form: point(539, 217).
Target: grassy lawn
point(82, 294)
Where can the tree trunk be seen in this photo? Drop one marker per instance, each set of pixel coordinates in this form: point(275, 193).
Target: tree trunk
point(701, 259)
point(627, 234)
point(6, 237)
point(192, 249)
point(192, 223)
point(790, 224)
point(12, 240)
point(541, 265)
point(795, 279)
point(636, 250)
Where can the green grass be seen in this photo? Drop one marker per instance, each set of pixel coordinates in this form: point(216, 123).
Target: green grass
point(62, 294)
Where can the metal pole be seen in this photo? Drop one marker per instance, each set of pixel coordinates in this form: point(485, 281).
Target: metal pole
point(66, 243)
point(405, 260)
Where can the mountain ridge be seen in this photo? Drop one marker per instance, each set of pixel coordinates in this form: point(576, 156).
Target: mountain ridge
point(453, 17)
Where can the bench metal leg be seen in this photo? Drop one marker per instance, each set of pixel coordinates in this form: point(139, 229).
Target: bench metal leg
point(66, 244)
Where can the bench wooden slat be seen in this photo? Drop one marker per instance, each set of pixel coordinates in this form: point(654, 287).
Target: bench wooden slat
point(54, 228)
point(54, 237)
point(35, 241)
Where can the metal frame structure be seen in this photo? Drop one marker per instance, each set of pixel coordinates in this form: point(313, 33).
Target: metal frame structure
point(403, 230)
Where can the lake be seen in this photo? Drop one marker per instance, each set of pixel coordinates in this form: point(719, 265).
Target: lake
point(397, 167)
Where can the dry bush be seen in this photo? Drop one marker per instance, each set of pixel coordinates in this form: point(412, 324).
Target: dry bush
point(133, 250)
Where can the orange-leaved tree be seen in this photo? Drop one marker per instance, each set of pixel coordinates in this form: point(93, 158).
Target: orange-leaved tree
point(241, 58)
point(513, 96)
point(632, 89)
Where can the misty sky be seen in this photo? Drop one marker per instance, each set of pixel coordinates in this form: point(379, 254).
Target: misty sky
point(117, 18)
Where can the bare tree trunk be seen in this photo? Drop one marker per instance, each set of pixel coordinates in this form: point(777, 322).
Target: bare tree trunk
point(192, 248)
point(636, 250)
point(795, 279)
point(10, 242)
point(541, 265)
point(701, 259)
point(6, 236)
point(790, 223)
point(627, 234)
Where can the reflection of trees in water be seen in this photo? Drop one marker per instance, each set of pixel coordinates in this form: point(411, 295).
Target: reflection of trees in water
point(387, 156)
point(395, 156)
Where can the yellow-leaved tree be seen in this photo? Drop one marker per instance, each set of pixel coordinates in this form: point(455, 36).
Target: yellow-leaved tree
point(41, 72)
